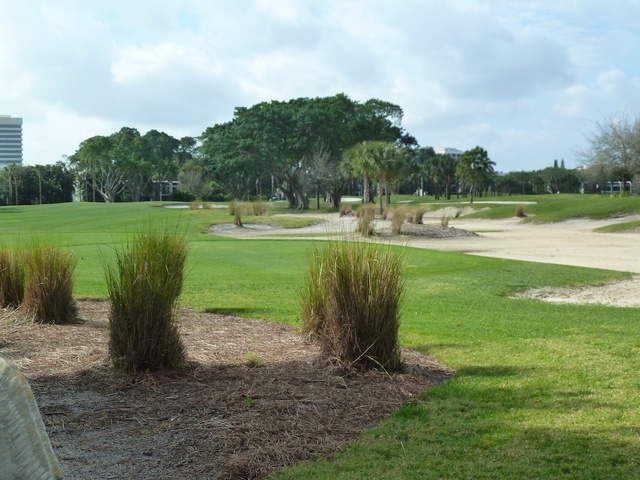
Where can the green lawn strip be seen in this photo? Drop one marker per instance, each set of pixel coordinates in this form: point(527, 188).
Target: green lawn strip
point(619, 227)
point(541, 390)
point(557, 208)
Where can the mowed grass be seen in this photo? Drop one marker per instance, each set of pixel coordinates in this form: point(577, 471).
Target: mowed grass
point(540, 390)
point(547, 208)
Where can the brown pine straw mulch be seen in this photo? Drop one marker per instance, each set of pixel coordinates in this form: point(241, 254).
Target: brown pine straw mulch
point(222, 418)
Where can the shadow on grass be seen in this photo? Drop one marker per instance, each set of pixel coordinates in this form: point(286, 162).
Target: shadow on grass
point(239, 312)
point(494, 371)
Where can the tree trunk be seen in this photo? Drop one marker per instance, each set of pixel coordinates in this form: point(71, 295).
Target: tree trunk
point(387, 186)
point(366, 184)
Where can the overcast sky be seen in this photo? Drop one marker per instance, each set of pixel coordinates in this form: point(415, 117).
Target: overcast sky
point(524, 80)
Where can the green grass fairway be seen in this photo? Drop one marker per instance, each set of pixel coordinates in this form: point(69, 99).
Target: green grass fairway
point(540, 391)
point(548, 208)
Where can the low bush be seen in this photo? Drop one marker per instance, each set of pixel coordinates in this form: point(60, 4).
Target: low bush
point(195, 205)
point(351, 303)
point(144, 286)
point(48, 285)
point(11, 279)
point(181, 196)
point(232, 207)
point(520, 211)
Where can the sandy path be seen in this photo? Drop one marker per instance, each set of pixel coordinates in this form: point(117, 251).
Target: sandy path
point(572, 242)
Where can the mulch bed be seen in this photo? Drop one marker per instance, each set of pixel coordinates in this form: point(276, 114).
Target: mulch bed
point(255, 399)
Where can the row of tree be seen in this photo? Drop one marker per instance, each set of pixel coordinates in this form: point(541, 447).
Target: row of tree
point(26, 185)
point(129, 166)
point(304, 148)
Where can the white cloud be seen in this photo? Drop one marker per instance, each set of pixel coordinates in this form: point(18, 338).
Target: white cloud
point(465, 72)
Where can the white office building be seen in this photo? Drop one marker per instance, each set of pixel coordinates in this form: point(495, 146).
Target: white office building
point(10, 141)
point(452, 152)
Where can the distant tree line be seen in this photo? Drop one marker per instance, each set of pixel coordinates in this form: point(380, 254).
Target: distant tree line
point(306, 149)
point(39, 184)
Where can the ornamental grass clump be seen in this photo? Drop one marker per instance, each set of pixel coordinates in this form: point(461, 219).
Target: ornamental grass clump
point(345, 210)
point(259, 207)
point(11, 279)
point(238, 210)
point(418, 214)
point(351, 304)
point(48, 285)
point(366, 215)
point(144, 286)
point(397, 219)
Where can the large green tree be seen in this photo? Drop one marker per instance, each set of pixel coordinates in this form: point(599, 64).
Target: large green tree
point(475, 169)
point(282, 140)
point(127, 165)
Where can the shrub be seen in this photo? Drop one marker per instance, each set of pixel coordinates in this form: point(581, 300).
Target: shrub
point(398, 219)
point(232, 207)
point(48, 285)
point(195, 205)
point(181, 196)
point(143, 287)
point(520, 211)
point(11, 279)
point(351, 303)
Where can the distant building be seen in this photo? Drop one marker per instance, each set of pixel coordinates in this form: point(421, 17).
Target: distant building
point(10, 141)
point(452, 152)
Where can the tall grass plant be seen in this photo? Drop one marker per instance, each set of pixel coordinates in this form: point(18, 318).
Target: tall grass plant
point(351, 303)
point(11, 279)
point(144, 285)
point(48, 284)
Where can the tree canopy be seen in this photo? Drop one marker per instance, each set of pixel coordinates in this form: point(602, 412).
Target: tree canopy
point(125, 164)
point(474, 168)
point(297, 143)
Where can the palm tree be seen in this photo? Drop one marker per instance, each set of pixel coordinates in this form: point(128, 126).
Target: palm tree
point(357, 162)
point(475, 167)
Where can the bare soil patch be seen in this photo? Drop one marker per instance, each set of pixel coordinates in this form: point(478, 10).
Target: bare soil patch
point(618, 294)
point(254, 400)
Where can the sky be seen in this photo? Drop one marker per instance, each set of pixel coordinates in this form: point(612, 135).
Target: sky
point(527, 81)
